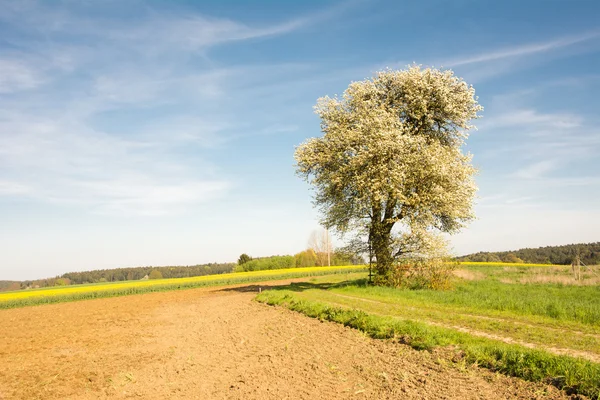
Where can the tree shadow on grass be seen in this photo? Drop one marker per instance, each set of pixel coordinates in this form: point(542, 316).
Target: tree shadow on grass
point(293, 286)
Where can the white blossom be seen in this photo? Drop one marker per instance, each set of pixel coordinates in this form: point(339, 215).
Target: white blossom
point(390, 160)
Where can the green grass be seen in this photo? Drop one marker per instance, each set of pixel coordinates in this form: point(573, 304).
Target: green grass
point(550, 317)
point(579, 304)
point(543, 332)
point(557, 301)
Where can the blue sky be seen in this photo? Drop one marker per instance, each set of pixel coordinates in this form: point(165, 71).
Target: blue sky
point(162, 133)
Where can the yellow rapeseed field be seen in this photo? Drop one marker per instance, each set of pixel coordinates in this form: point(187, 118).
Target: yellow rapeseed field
point(103, 287)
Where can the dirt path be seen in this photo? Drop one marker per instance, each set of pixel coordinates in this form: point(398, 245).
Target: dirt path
point(219, 344)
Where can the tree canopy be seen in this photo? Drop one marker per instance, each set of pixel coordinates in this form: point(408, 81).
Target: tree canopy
point(390, 163)
point(244, 258)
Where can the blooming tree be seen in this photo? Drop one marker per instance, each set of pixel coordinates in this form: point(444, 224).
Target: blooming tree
point(390, 162)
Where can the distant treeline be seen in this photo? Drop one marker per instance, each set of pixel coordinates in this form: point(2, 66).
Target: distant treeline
point(121, 274)
point(9, 285)
point(589, 254)
point(307, 258)
point(131, 274)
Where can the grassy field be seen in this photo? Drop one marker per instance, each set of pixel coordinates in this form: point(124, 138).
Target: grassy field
point(535, 322)
point(110, 289)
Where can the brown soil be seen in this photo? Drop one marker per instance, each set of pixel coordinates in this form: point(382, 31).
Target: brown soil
point(219, 344)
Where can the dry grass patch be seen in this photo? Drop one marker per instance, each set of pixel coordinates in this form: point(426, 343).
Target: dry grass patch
point(562, 280)
point(469, 275)
point(590, 276)
point(558, 275)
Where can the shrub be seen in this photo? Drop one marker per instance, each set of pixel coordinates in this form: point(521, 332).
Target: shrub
point(419, 273)
point(273, 262)
point(306, 258)
point(155, 274)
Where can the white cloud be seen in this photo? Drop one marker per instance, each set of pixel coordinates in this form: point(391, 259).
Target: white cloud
point(153, 30)
point(8, 188)
point(537, 169)
point(522, 50)
point(89, 135)
point(60, 144)
point(537, 158)
point(542, 136)
point(520, 200)
point(530, 118)
point(107, 130)
point(487, 64)
point(16, 75)
point(582, 181)
point(132, 197)
point(66, 161)
point(529, 133)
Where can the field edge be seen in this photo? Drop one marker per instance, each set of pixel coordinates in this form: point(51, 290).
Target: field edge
point(573, 375)
point(165, 285)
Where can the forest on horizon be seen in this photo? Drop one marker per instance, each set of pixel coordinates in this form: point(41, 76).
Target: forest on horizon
point(589, 254)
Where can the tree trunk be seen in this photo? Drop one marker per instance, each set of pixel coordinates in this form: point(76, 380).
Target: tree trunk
point(381, 237)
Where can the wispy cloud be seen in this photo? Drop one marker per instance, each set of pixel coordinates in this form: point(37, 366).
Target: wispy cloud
point(540, 149)
point(111, 117)
point(504, 199)
point(153, 30)
point(16, 75)
point(147, 197)
point(537, 169)
point(523, 50)
point(69, 163)
point(486, 64)
point(531, 119)
point(8, 188)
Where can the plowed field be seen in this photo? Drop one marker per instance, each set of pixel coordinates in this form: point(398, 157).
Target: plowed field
point(216, 343)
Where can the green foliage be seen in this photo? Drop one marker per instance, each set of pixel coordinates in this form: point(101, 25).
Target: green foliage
point(306, 258)
point(589, 254)
point(62, 282)
point(414, 273)
point(244, 258)
point(511, 258)
point(155, 274)
point(343, 257)
point(264, 263)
